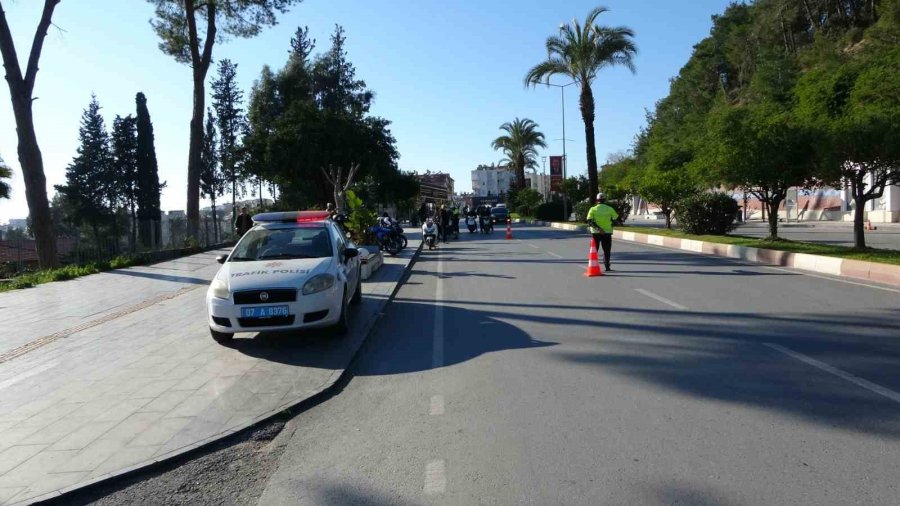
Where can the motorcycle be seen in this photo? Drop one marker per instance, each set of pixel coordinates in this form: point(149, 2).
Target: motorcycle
point(472, 223)
point(386, 240)
point(487, 225)
point(430, 235)
point(399, 235)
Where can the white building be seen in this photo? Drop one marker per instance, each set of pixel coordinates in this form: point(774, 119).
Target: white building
point(491, 181)
point(20, 223)
point(539, 183)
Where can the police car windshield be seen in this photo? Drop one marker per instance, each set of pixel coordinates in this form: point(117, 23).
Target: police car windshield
point(286, 242)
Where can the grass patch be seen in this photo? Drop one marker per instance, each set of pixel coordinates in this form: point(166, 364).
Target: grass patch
point(884, 256)
point(34, 278)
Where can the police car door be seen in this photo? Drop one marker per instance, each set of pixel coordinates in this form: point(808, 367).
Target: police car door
point(346, 266)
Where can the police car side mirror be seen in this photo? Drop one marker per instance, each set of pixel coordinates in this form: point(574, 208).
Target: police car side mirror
point(351, 253)
point(221, 258)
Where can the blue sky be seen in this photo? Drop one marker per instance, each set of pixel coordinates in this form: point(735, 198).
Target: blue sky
point(446, 73)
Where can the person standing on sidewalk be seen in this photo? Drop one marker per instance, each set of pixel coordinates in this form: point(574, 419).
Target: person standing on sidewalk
point(243, 223)
point(600, 218)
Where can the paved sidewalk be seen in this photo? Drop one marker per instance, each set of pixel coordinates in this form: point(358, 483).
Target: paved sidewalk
point(887, 235)
point(124, 373)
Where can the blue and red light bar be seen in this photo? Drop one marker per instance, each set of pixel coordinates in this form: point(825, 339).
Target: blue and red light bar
point(292, 217)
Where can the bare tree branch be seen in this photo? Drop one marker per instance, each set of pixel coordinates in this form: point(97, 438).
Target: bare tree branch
point(189, 12)
point(38, 44)
point(8, 50)
point(210, 35)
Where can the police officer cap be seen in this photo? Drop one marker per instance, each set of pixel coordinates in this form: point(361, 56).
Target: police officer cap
point(601, 197)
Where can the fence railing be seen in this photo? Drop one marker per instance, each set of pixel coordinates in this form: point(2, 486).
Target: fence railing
point(19, 254)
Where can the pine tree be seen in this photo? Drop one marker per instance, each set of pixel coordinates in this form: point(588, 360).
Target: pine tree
point(211, 183)
point(5, 173)
point(227, 101)
point(337, 89)
point(88, 181)
point(148, 186)
point(124, 150)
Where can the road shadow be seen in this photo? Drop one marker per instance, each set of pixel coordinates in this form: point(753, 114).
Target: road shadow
point(341, 495)
point(726, 358)
point(160, 276)
point(722, 357)
point(402, 341)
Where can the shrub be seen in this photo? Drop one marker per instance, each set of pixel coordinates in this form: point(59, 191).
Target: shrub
point(523, 211)
point(581, 210)
point(549, 211)
point(623, 209)
point(707, 213)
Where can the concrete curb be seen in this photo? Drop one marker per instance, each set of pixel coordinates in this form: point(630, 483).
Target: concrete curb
point(311, 396)
point(887, 274)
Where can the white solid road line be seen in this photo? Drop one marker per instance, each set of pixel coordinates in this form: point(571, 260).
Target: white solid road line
point(437, 347)
point(535, 246)
point(868, 385)
point(831, 278)
point(435, 480)
point(437, 405)
point(661, 299)
point(554, 254)
point(764, 266)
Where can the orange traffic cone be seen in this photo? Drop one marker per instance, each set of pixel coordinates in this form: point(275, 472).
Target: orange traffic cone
point(508, 229)
point(593, 269)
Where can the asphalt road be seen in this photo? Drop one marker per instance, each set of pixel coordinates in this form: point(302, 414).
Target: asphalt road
point(501, 375)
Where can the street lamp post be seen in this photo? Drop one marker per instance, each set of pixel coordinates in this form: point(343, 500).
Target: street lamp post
point(544, 178)
point(562, 95)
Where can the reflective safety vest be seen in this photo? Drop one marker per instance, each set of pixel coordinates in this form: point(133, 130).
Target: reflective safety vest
point(602, 215)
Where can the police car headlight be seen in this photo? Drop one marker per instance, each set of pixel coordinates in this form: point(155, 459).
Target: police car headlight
point(219, 289)
point(318, 283)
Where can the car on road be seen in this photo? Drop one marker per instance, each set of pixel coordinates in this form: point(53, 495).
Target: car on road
point(290, 271)
point(499, 214)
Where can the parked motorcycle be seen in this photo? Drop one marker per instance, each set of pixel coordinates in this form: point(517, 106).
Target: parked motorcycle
point(397, 230)
point(386, 240)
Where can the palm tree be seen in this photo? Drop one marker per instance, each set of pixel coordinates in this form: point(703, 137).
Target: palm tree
point(519, 145)
point(580, 52)
point(5, 173)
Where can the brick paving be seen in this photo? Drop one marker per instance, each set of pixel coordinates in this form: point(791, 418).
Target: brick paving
point(117, 370)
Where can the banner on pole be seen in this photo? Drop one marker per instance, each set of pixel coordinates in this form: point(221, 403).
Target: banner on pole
point(556, 171)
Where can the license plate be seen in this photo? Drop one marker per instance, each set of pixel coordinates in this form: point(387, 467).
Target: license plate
point(264, 312)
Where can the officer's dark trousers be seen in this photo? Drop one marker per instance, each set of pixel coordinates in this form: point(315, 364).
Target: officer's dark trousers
point(605, 242)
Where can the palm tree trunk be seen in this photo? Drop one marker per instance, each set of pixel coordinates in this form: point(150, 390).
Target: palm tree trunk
point(520, 171)
point(586, 100)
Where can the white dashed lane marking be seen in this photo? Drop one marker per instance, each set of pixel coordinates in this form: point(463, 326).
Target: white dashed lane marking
point(437, 405)
point(435, 480)
point(660, 299)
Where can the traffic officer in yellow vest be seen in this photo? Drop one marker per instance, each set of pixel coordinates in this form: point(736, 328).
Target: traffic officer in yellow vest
point(600, 219)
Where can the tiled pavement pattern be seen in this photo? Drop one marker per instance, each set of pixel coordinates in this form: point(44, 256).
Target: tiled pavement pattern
point(146, 384)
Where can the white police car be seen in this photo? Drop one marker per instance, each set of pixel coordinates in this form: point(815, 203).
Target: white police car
point(290, 271)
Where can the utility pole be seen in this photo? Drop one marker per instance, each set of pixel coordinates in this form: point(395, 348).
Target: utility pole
point(562, 96)
point(544, 178)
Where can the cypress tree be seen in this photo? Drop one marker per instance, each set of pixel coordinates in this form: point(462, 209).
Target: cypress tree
point(211, 183)
point(227, 101)
point(148, 185)
point(124, 149)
